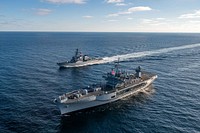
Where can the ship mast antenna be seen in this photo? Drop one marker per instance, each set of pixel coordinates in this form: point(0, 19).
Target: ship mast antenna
point(117, 66)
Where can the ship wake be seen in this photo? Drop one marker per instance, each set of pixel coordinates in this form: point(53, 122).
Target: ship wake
point(125, 57)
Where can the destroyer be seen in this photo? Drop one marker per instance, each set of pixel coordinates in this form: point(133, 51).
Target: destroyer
point(80, 60)
point(119, 84)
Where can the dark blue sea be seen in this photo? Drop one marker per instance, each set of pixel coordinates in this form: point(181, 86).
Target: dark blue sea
point(30, 80)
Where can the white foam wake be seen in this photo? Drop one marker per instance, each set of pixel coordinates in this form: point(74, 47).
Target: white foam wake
point(147, 53)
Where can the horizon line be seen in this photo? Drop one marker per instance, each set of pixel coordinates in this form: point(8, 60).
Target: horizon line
point(100, 31)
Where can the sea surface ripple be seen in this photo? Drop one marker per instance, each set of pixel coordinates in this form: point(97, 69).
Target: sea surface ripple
point(30, 80)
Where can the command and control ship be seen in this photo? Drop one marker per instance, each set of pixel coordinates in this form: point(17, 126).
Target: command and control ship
point(118, 84)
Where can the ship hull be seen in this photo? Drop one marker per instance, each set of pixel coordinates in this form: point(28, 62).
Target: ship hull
point(79, 64)
point(71, 108)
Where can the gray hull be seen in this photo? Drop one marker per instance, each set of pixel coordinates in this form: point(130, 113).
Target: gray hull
point(93, 101)
point(80, 63)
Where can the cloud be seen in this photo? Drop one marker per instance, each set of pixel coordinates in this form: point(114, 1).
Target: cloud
point(66, 1)
point(120, 4)
point(139, 9)
point(129, 18)
point(160, 18)
point(156, 21)
point(196, 14)
point(112, 20)
point(113, 15)
point(43, 11)
point(149, 21)
point(88, 16)
point(115, 1)
point(131, 10)
point(194, 22)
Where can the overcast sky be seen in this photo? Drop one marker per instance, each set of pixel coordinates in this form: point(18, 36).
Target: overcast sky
point(100, 15)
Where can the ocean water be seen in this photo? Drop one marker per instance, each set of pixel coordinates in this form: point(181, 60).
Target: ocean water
point(30, 80)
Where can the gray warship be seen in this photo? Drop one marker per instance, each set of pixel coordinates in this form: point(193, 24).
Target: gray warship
point(79, 60)
point(118, 84)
